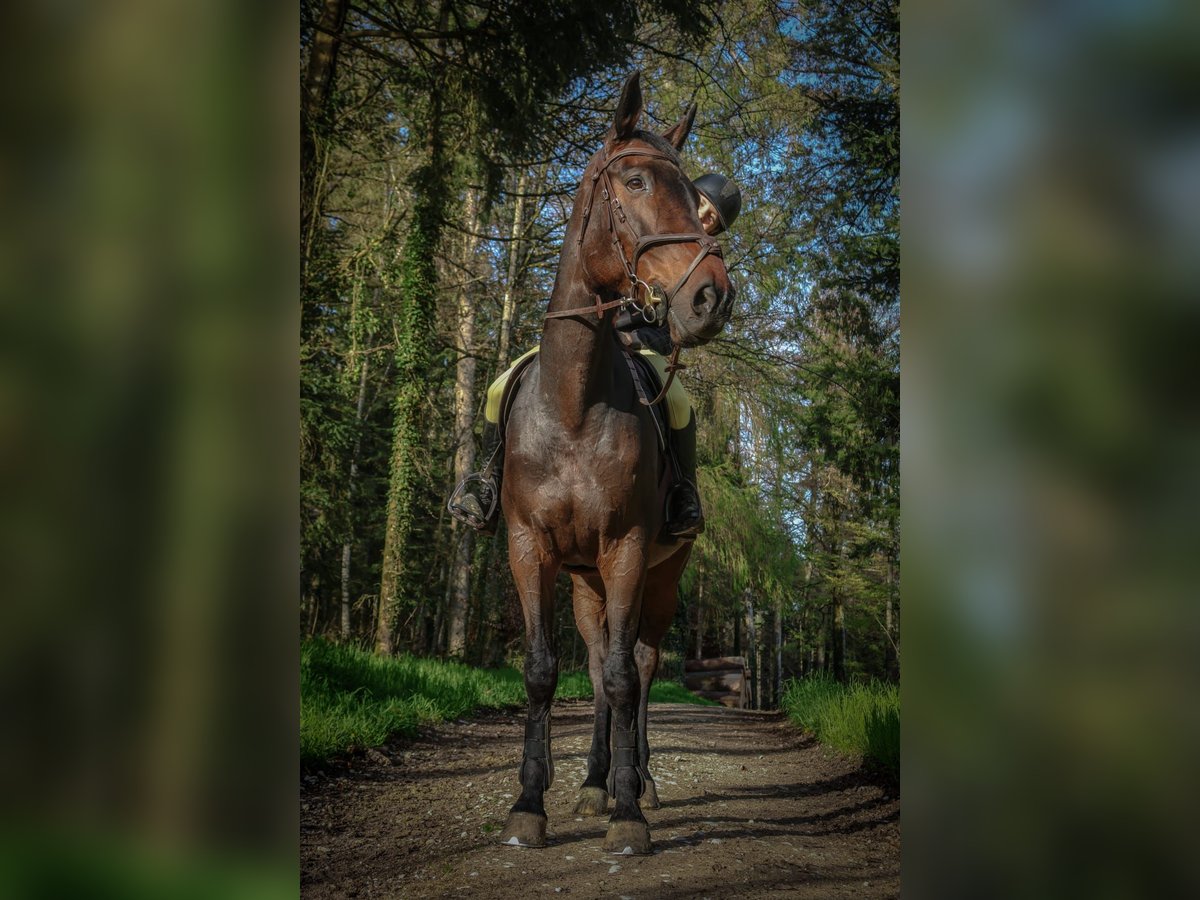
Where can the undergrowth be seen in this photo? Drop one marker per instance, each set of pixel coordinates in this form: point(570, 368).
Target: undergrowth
point(350, 698)
point(859, 718)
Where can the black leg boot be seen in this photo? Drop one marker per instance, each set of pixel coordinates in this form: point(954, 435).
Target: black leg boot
point(476, 501)
point(685, 518)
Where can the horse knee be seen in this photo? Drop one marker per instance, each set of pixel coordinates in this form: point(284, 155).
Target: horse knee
point(541, 674)
point(620, 676)
point(647, 658)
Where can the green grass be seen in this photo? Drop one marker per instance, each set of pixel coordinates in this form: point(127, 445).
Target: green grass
point(674, 692)
point(855, 718)
point(39, 862)
point(350, 698)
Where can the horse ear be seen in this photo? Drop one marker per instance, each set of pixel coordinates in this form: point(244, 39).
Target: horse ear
point(629, 108)
point(679, 132)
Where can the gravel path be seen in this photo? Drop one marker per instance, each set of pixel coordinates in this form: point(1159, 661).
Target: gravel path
point(750, 808)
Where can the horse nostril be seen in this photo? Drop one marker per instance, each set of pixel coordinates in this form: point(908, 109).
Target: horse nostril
point(705, 299)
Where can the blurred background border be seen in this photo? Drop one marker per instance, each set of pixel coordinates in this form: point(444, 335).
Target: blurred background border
point(148, 421)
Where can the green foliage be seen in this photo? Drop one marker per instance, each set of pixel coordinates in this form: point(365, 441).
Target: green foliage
point(861, 718)
point(743, 542)
point(413, 358)
point(351, 698)
point(76, 863)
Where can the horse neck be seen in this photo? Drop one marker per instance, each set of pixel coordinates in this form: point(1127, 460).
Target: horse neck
point(576, 352)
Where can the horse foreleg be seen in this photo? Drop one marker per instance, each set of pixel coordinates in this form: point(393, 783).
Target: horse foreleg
point(647, 663)
point(534, 576)
point(624, 576)
point(589, 618)
point(659, 601)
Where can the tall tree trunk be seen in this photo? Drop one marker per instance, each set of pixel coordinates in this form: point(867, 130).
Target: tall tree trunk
point(414, 330)
point(821, 645)
point(807, 659)
point(346, 546)
point(839, 638)
point(752, 652)
point(490, 579)
point(314, 605)
point(893, 660)
point(464, 456)
point(314, 103)
point(778, 651)
point(509, 309)
point(700, 613)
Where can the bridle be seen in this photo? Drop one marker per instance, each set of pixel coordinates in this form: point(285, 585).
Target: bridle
point(655, 299)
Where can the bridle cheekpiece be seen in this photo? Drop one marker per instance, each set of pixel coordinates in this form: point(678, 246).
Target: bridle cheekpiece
point(655, 300)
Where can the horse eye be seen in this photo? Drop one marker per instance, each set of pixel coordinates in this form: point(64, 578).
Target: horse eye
point(635, 183)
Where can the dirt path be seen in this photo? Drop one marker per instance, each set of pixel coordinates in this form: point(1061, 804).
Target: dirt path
point(750, 808)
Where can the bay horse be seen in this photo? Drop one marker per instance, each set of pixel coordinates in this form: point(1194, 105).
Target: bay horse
point(583, 465)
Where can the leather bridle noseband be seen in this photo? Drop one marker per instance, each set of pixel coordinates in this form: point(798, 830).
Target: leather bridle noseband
point(655, 299)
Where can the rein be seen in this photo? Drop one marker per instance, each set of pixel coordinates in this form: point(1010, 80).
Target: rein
point(673, 366)
point(708, 245)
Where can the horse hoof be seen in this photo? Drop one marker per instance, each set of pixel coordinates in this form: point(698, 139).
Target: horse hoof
point(593, 801)
point(524, 830)
point(628, 837)
point(650, 797)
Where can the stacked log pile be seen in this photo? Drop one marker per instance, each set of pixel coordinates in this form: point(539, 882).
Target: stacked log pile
point(724, 679)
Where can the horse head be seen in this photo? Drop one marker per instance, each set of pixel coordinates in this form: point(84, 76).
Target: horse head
point(654, 249)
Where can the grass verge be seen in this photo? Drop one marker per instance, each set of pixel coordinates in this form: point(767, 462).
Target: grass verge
point(350, 698)
point(854, 718)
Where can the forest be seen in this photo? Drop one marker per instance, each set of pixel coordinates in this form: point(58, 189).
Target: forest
point(442, 142)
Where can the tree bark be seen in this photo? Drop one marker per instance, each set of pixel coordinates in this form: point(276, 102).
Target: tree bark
point(839, 639)
point(807, 658)
point(821, 645)
point(893, 662)
point(322, 58)
point(699, 613)
point(752, 659)
point(464, 456)
point(509, 309)
point(778, 651)
point(414, 329)
point(314, 102)
point(346, 546)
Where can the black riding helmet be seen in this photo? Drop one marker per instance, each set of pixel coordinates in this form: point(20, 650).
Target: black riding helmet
point(724, 195)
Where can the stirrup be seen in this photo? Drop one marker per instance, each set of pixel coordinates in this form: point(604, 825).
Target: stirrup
point(688, 528)
point(455, 508)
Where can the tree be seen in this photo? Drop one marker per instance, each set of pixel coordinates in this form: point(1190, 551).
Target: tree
point(431, 251)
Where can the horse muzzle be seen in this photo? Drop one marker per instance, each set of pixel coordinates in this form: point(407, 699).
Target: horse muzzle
point(700, 318)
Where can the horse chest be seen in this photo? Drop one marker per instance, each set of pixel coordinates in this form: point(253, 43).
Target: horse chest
point(580, 492)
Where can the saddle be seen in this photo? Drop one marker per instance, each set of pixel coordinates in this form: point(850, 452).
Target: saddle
point(646, 383)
